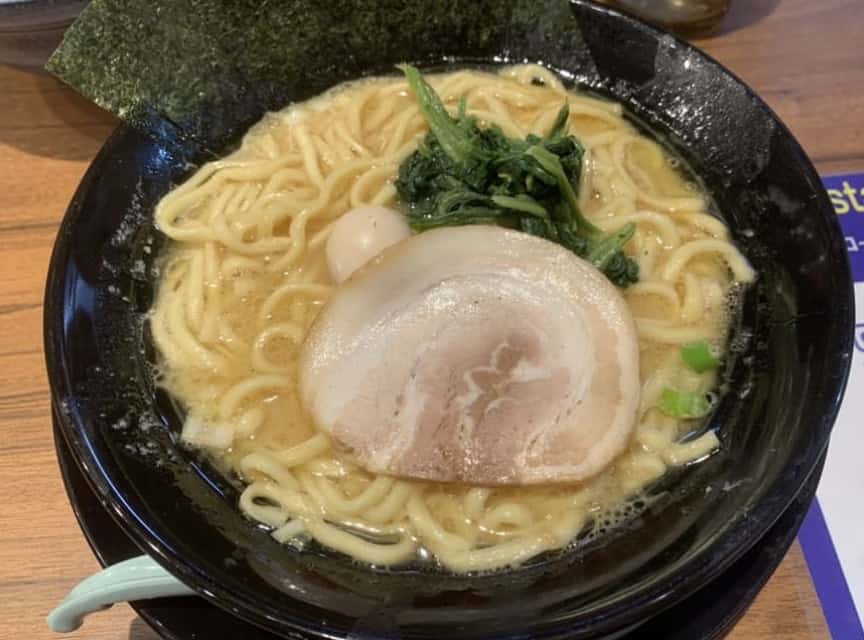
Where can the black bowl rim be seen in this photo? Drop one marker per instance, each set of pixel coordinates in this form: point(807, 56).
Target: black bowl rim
point(732, 611)
point(698, 570)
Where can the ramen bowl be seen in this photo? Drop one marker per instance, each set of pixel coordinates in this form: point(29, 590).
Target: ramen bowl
point(782, 381)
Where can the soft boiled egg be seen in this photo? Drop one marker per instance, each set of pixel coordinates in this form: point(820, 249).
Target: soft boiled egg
point(478, 355)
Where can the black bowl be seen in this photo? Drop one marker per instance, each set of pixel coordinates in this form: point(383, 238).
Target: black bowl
point(707, 614)
point(784, 381)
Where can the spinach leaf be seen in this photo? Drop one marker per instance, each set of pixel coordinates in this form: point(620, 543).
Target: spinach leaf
point(464, 174)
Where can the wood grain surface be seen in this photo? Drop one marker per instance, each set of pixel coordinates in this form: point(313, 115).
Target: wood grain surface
point(803, 56)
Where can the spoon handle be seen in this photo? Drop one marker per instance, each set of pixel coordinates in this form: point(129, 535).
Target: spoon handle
point(138, 578)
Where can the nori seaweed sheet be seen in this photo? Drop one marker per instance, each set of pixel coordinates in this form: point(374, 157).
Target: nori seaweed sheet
point(208, 69)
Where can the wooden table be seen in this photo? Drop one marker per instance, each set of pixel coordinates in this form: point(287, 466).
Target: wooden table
point(803, 57)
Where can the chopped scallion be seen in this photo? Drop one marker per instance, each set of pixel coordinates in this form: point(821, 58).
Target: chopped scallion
point(699, 357)
point(684, 404)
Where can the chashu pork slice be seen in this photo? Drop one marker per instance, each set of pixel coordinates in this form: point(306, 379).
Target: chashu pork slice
point(478, 355)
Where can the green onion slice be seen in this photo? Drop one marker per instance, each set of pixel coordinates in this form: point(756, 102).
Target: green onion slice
point(699, 357)
point(685, 404)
